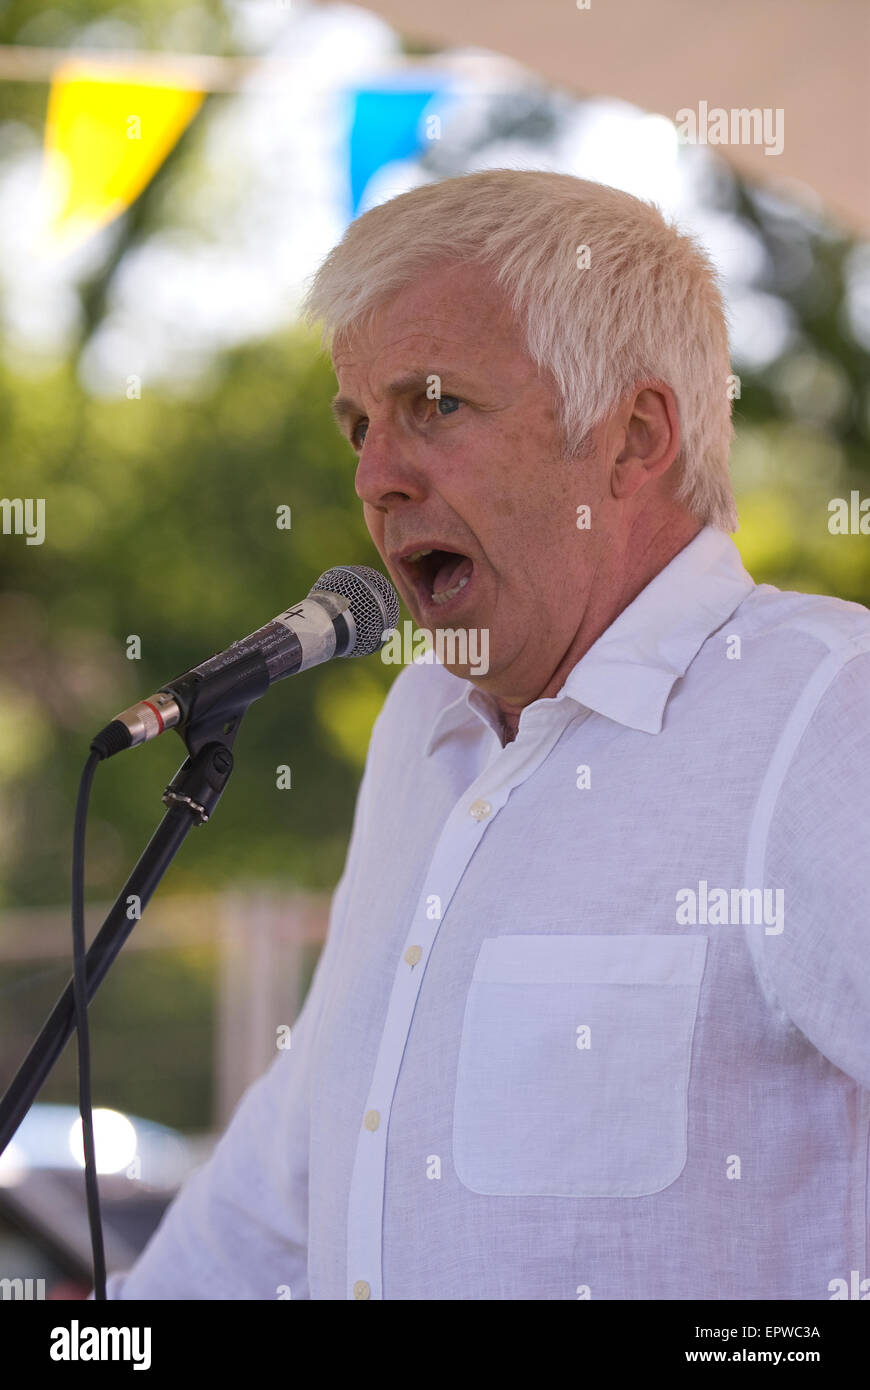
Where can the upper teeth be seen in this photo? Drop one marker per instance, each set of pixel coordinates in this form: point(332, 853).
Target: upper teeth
point(418, 554)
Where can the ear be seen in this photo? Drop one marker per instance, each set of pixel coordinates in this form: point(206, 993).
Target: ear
point(650, 428)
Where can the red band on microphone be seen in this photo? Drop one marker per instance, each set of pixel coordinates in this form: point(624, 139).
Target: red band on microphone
point(157, 712)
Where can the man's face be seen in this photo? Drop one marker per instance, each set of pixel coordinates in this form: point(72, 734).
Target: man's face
point(459, 454)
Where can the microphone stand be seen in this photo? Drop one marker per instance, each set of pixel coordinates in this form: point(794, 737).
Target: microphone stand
point(191, 797)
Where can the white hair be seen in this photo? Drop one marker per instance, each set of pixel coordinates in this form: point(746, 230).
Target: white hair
point(646, 307)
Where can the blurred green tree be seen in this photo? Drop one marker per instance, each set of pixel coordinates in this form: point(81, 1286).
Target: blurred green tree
point(162, 524)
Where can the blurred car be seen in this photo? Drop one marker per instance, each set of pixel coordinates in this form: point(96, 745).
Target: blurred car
point(44, 1234)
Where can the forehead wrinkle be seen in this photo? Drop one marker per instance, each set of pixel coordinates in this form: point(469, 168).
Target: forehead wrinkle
point(342, 354)
point(415, 351)
point(396, 333)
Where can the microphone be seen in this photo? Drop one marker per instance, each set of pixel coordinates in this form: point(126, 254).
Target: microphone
point(348, 612)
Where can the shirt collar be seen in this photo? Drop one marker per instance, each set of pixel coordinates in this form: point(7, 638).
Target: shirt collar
point(628, 674)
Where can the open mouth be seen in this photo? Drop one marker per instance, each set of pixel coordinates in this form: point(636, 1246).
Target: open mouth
point(438, 575)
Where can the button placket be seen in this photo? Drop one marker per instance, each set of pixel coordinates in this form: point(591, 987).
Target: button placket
point(467, 822)
point(364, 1220)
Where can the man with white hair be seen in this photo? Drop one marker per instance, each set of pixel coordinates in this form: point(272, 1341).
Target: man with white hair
point(593, 1015)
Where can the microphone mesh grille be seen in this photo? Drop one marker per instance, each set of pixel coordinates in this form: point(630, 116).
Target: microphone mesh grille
point(374, 603)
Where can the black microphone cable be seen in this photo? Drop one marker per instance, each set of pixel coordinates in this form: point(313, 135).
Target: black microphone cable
point(80, 996)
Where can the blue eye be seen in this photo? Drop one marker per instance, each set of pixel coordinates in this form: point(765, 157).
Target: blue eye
point(451, 401)
point(357, 439)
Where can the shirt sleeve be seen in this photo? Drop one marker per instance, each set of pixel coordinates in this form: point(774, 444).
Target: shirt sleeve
point(238, 1229)
point(818, 851)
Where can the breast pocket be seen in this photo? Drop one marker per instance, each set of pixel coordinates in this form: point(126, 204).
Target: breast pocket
point(573, 1070)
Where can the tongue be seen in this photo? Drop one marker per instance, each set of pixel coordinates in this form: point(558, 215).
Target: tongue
point(450, 571)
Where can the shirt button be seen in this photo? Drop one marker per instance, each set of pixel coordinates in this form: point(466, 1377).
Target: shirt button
point(361, 1289)
point(371, 1121)
point(479, 809)
point(413, 954)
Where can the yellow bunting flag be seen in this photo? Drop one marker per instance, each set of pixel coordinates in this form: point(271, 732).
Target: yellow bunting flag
point(107, 133)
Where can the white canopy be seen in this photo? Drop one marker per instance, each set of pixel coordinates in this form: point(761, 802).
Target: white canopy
point(810, 60)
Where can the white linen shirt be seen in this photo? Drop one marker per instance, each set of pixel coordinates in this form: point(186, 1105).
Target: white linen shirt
point(550, 1050)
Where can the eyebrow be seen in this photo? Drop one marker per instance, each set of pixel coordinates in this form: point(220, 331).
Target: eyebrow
point(343, 407)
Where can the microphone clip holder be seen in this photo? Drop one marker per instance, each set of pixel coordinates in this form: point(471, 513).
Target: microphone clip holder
point(212, 706)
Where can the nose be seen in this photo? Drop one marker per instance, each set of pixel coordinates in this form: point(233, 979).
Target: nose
point(387, 474)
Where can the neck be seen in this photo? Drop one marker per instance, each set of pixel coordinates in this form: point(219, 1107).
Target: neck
point(602, 609)
point(509, 725)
